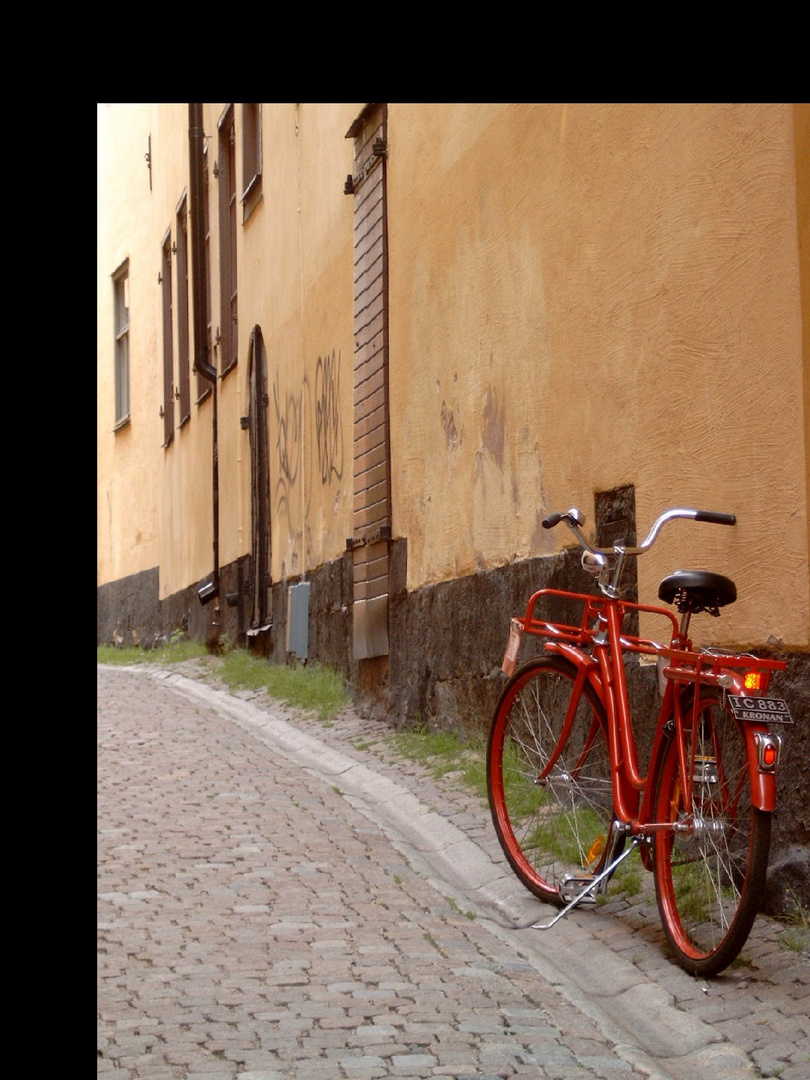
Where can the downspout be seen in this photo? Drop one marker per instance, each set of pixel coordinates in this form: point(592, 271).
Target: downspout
point(196, 145)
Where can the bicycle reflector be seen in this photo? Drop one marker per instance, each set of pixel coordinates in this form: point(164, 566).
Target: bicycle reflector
point(768, 749)
point(753, 680)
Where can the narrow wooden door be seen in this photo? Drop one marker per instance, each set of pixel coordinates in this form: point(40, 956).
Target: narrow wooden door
point(371, 532)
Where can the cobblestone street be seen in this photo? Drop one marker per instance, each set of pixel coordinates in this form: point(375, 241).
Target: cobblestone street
point(263, 916)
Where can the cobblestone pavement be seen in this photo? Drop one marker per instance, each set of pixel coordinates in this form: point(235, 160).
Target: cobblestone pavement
point(280, 898)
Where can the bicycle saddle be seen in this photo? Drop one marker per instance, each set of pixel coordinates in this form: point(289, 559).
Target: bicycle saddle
point(697, 590)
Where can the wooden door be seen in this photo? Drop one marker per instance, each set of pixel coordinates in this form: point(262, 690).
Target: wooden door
point(371, 530)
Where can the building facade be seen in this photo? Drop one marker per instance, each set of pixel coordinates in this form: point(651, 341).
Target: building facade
point(349, 355)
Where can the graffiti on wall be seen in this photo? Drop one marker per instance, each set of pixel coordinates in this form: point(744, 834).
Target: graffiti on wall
point(328, 421)
point(289, 427)
point(309, 443)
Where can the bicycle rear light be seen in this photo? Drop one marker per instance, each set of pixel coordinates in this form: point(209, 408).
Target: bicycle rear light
point(753, 680)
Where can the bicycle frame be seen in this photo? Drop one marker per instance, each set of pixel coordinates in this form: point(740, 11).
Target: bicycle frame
point(568, 797)
point(596, 648)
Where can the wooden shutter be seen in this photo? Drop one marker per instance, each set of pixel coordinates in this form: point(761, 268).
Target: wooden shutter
point(259, 481)
point(167, 412)
point(372, 491)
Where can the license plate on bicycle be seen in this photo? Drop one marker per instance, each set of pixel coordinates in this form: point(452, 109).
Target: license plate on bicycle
point(760, 710)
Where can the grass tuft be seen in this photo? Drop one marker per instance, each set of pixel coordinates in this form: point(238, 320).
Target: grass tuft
point(443, 752)
point(311, 687)
point(314, 687)
point(176, 652)
point(796, 920)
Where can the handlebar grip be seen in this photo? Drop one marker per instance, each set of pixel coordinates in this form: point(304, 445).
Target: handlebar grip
point(715, 518)
point(551, 521)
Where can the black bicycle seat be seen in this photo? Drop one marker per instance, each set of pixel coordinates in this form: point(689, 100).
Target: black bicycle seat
point(697, 590)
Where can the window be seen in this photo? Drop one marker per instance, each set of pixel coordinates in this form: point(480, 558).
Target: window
point(183, 335)
point(203, 385)
point(167, 412)
point(228, 335)
point(251, 158)
point(121, 322)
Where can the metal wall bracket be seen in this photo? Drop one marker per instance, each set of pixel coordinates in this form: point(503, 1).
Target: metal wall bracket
point(354, 542)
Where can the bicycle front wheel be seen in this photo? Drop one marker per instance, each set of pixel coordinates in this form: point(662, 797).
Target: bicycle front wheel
point(710, 877)
point(548, 778)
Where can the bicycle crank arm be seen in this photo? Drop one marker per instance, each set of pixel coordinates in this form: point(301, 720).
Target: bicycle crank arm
point(587, 893)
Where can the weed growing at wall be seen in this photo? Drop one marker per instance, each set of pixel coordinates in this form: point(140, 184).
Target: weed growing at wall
point(177, 651)
point(312, 687)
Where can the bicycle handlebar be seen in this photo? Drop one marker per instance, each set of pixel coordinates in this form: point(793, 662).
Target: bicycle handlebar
point(715, 518)
point(574, 519)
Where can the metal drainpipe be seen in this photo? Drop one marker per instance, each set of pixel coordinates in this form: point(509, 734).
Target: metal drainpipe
point(196, 145)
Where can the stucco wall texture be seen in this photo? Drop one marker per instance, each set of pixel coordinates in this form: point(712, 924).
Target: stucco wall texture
point(583, 296)
point(580, 297)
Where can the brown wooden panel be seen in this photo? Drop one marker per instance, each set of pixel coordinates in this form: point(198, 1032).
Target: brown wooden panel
point(370, 359)
point(376, 403)
point(370, 590)
point(367, 201)
point(369, 320)
point(368, 422)
point(372, 562)
point(370, 385)
point(369, 225)
point(374, 433)
point(369, 458)
point(368, 263)
point(372, 496)
point(370, 554)
point(370, 352)
point(373, 363)
point(375, 474)
point(369, 519)
point(371, 575)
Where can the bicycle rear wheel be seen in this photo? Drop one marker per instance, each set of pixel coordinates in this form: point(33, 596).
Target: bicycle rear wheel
point(709, 880)
point(549, 782)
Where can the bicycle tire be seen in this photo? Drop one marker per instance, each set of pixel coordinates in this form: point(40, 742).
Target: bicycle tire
point(558, 826)
point(709, 882)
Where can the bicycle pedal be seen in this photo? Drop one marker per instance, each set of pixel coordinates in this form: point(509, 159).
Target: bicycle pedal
point(573, 887)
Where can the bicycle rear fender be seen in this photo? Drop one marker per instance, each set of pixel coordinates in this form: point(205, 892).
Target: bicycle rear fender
point(763, 781)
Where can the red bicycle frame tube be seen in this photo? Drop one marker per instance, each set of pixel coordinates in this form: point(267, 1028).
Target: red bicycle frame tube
point(600, 629)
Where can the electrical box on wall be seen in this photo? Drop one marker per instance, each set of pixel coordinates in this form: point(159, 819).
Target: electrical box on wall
point(298, 620)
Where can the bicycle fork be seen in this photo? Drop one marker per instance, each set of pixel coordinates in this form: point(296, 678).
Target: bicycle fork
point(588, 885)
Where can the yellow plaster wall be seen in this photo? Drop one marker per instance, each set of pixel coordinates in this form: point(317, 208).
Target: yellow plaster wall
point(155, 505)
point(589, 295)
point(581, 296)
point(127, 522)
point(298, 286)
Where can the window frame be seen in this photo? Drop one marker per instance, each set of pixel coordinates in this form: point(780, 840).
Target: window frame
point(204, 386)
point(251, 157)
point(121, 327)
point(167, 412)
point(228, 286)
point(183, 313)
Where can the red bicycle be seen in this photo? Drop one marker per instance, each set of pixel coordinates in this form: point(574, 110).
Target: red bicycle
point(568, 799)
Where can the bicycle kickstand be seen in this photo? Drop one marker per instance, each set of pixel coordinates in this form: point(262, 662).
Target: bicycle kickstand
point(587, 893)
